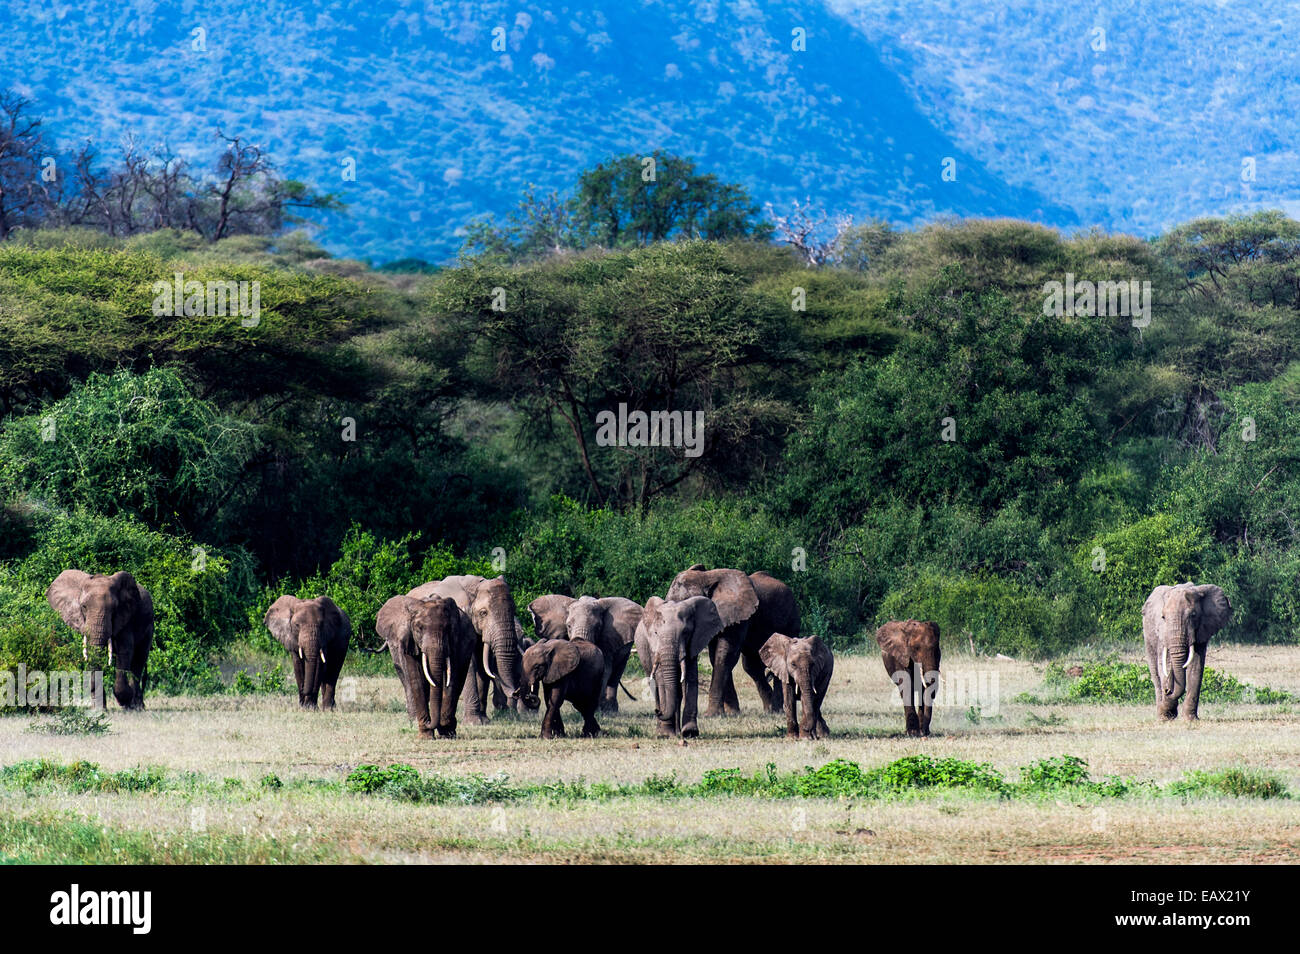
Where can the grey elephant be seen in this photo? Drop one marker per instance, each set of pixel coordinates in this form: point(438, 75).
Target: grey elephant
point(572, 669)
point(911, 654)
point(1177, 623)
point(803, 667)
point(752, 608)
point(498, 646)
point(669, 638)
point(316, 634)
point(432, 646)
point(610, 623)
point(113, 611)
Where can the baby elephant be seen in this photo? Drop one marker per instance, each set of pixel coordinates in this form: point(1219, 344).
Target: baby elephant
point(569, 669)
point(803, 670)
point(910, 650)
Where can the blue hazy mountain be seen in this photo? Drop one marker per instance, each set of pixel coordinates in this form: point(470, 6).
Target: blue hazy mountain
point(441, 127)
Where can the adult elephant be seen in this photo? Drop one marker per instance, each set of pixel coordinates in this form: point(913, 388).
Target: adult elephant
point(498, 646)
point(113, 611)
point(910, 651)
point(752, 608)
point(432, 645)
point(669, 637)
point(1177, 623)
point(316, 634)
point(609, 623)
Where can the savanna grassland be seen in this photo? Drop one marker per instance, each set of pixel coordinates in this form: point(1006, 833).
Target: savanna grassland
point(254, 779)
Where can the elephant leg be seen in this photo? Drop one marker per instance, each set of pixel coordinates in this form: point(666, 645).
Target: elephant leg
point(404, 673)
point(499, 700)
point(450, 696)
point(590, 727)
point(691, 700)
point(725, 653)
point(929, 686)
point(327, 695)
point(123, 691)
point(420, 690)
point(609, 700)
point(299, 673)
point(554, 704)
point(790, 704)
point(753, 664)
point(1194, 673)
point(476, 692)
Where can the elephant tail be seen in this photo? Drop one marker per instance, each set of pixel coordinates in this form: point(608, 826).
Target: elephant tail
point(624, 688)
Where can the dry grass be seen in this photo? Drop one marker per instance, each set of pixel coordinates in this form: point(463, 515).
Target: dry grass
point(248, 737)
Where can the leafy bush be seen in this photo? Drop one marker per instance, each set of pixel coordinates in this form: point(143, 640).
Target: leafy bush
point(1130, 683)
point(997, 614)
point(1235, 782)
point(72, 720)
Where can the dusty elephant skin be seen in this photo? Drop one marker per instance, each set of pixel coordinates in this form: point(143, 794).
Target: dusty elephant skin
point(609, 622)
point(910, 651)
point(752, 608)
point(572, 669)
point(1177, 623)
point(803, 667)
point(316, 634)
point(498, 644)
point(431, 643)
point(113, 611)
point(669, 639)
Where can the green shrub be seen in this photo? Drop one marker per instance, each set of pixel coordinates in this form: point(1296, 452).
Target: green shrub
point(1235, 782)
point(998, 615)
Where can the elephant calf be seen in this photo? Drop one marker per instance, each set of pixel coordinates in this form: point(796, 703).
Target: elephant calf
point(568, 669)
point(803, 669)
point(910, 650)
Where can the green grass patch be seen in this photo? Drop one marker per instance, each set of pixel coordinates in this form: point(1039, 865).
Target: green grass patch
point(1236, 782)
point(54, 838)
point(1130, 683)
point(72, 721)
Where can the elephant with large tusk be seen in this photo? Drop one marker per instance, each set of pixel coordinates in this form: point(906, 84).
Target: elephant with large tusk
point(499, 642)
point(1177, 623)
point(113, 611)
point(316, 634)
point(432, 645)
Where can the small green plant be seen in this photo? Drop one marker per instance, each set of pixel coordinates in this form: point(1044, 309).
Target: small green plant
point(1049, 720)
point(266, 681)
point(1236, 782)
point(271, 782)
point(72, 720)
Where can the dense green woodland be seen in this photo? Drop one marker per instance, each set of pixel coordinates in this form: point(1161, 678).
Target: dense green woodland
point(1092, 460)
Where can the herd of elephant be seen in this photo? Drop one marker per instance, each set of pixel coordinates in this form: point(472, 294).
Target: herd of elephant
point(461, 635)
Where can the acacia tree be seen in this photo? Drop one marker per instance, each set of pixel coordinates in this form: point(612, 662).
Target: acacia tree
point(624, 202)
point(673, 328)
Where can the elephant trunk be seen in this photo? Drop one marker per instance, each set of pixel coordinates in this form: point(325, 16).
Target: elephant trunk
point(669, 683)
point(309, 644)
point(99, 629)
point(435, 672)
point(1176, 658)
point(508, 668)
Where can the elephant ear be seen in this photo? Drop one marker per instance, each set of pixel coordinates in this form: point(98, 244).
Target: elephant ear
point(621, 618)
point(565, 657)
point(1216, 611)
point(706, 623)
point(823, 658)
point(773, 653)
point(127, 593)
point(279, 620)
point(734, 595)
point(394, 624)
point(548, 613)
point(338, 620)
point(64, 596)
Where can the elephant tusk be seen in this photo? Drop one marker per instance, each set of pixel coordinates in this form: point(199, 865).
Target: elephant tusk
point(322, 657)
point(424, 664)
point(487, 663)
point(110, 652)
point(85, 654)
point(300, 655)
